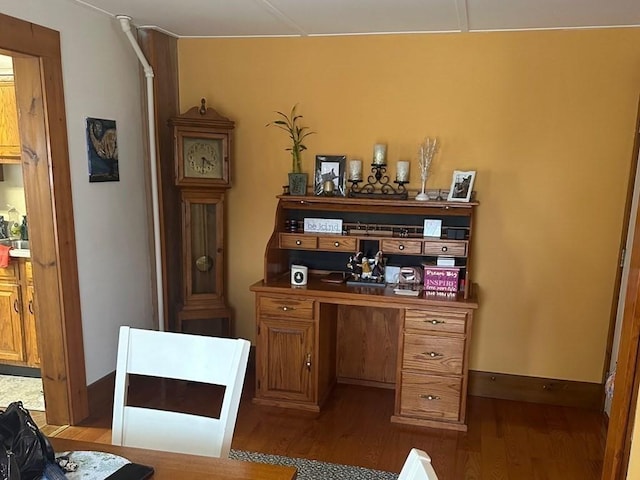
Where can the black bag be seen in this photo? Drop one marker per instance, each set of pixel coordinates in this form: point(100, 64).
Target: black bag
point(24, 449)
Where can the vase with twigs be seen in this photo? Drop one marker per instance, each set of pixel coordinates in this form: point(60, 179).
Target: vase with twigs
point(425, 155)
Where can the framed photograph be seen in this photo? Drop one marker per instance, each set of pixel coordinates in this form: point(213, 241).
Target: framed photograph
point(461, 186)
point(102, 149)
point(330, 177)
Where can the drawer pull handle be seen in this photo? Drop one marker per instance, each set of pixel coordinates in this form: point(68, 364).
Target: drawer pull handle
point(286, 308)
point(434, 321)
point(336, 244)
point(307, 362)
point(31, 307)
point(433, 354)
point(400, 247)
point(429, 397)
point(444, 249)
point(298, 242)
point(15, 306)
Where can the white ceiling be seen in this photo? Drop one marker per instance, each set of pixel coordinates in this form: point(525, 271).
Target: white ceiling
point(243, 18)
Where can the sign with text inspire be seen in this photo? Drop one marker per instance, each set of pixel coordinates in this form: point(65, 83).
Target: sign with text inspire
point(322, 225)
point(441, 279)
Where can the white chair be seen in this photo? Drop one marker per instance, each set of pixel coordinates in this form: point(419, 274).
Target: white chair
point(219, 361)
point(417, 466)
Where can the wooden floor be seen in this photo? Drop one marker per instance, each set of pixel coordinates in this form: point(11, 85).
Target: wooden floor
point(506, 440)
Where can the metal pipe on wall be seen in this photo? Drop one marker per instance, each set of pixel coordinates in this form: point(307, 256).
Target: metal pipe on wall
point(125, 23)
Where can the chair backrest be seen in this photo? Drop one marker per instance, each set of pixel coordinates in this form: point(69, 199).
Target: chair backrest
point(417, 466)
point(218, 361)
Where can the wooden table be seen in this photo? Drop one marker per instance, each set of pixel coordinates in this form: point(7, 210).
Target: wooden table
point(184, 467)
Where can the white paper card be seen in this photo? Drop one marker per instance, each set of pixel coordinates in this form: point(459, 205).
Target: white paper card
point(322, 225)
point(432, 228)
point(391, 274)
point(446, 262)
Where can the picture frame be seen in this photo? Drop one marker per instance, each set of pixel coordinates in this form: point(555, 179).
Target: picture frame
point(331, 168)
point(461, 186)
point(102, 150)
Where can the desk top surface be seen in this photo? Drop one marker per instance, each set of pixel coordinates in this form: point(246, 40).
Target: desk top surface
point(341, 293)
point(180, 466)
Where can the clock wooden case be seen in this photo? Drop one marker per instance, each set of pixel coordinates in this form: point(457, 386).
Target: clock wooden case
point(202, 156)
point(202, 140)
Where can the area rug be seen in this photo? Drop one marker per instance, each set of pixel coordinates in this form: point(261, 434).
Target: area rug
point(313, 469)
point(26, 389)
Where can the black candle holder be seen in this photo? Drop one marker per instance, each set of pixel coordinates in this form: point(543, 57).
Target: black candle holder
point(378, 185)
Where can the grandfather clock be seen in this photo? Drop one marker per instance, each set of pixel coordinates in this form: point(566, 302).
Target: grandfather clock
point(202, 154)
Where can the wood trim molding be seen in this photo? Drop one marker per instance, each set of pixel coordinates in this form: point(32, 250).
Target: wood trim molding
point(623, 406)
point(549, 391)
point(45, 157)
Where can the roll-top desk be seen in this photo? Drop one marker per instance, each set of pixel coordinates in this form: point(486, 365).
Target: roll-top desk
point(309, 338)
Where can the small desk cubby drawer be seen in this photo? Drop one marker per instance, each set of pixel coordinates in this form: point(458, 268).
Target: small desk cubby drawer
point(298, 241)
point(435, 321)
point(433, 354)
point(342, 244)
point(453, 249)
point(430, 396)
point(283, 307)
point(403, 247)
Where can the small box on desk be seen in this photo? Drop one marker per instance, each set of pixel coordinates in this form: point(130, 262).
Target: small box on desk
point(441, 279)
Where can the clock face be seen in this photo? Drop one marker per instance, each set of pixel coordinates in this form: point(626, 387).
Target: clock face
point(202, 157)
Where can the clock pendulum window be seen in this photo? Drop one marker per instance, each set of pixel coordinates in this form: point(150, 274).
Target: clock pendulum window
point(203, 140)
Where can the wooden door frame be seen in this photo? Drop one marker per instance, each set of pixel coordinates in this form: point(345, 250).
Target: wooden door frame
point(623, 406)
point(47, 182)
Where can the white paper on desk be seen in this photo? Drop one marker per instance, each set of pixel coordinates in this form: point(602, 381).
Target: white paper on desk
point(391, 274)
point(432, 228)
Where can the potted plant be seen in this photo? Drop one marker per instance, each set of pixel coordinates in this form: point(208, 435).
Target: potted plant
point(297, 133)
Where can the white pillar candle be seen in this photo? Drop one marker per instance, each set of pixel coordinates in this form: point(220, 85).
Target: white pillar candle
point(379, 154)
point(355, 170)
point(402, 174)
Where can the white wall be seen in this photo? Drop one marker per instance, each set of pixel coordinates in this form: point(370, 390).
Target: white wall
point(101, 79)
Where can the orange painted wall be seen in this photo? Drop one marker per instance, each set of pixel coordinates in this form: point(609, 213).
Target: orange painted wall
point(546, 118)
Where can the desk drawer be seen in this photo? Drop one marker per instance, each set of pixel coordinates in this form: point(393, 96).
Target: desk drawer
point(403, 247)
point(453, 249)
point(429, 396)
point(283, 307)
point(433, 353)
point(435, 321)
point(298, 241)
point(338, 243)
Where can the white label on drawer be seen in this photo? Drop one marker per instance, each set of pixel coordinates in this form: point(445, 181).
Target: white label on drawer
point(322, 225)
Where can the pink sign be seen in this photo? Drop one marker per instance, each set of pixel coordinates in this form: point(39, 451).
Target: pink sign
point(441, 279)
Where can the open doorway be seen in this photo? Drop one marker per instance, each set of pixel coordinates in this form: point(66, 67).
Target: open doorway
point(45, 163)
point(20, 376)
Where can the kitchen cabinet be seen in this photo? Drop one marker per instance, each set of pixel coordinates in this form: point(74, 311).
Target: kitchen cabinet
point(18, 339)
point(9, 133)
point(32, 352)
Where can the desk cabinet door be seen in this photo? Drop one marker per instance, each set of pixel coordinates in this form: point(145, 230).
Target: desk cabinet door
point(285, 359)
